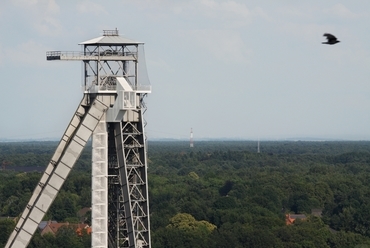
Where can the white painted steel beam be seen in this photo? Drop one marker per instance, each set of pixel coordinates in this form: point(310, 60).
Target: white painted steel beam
point(68, 151)
point(99, 186)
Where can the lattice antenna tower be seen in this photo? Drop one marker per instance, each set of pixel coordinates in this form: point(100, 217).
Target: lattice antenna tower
point(111, 112)
point(191, 138)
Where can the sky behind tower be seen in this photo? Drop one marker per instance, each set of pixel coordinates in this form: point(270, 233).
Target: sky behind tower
point(228, 69)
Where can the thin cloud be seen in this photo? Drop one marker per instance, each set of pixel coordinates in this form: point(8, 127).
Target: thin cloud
point(223, 45)
point(231, 12)
point(24, 2)
point(307, 22)
point(340, 10)
point(49, 26)
point(29, 53)
point(226, 8)
point(287, 12)
point(309, 31)
point(260, 12)
point(41, 14)
point(228, 14)
point(91, 7)
point(47, 7)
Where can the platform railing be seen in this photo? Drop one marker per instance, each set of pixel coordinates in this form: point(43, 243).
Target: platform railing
point(50, 55)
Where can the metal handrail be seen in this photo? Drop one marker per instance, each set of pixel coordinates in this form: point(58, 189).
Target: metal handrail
point(79, 54)
point(64, 53)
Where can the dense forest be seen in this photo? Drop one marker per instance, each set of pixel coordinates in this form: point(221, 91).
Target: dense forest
point(217, 194)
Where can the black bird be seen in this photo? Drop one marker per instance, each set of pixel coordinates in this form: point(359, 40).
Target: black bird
point(331, 39)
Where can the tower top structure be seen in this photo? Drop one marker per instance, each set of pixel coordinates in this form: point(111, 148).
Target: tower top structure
point(109, 47)
point(107, 58)
point(110, 37)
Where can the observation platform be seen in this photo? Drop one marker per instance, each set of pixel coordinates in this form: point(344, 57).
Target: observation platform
point(107, 55)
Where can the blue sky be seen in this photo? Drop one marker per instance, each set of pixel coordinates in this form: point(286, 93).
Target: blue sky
point(227, 69)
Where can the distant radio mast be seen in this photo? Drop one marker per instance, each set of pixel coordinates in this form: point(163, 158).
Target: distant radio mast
point(191, 138)
point(258, 146)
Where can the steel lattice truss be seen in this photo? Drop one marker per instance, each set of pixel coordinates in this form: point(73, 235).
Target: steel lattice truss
point(128, 190)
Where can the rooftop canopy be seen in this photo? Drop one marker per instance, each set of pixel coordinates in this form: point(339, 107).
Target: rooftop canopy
point(110, 37)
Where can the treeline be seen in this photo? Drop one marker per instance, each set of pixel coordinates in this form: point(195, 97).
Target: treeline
point(246, 194)
point(36, 155)
point(224, 194)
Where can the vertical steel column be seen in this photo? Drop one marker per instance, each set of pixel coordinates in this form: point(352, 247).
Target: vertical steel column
point(99, 186)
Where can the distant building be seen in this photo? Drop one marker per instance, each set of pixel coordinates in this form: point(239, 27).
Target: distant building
point(316, 212)
point(82, 227)
point(53, 227)
point(82, 214)
point(290, 218)
point(43, 224)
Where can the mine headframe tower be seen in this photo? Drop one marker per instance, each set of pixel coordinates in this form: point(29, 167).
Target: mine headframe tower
point(111, 112)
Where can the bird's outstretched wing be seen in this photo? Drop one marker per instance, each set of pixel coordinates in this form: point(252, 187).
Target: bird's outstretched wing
point(330, 37)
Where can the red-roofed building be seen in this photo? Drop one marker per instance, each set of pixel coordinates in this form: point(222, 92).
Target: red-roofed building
point(52, 227)
point(82, 227)
point(290, 218)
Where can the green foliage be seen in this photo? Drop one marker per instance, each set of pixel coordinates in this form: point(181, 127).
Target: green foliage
point(6, 228)
point(193, 175)
point(308, 233)
point(242, 191)
point(217, 194)
point(184, 230)
point(187, 222)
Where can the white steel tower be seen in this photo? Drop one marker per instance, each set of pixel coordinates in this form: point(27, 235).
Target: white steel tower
point(191, 138)
point(111, 111)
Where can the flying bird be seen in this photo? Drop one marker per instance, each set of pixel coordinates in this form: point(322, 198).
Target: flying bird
point(331, 39)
